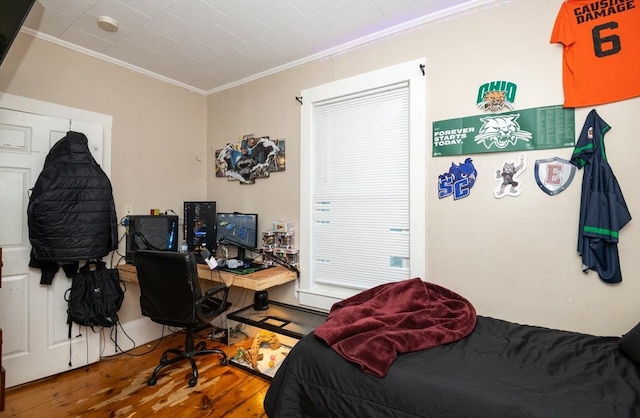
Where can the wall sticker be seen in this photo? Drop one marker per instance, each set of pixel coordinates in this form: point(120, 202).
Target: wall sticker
point(507, 175)
point(496, 95)
point(554, 175)
point(458, 181)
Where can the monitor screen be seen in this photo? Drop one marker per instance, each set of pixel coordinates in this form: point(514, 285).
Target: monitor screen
point(200, 226)
point(240, 229)
point(148, 232)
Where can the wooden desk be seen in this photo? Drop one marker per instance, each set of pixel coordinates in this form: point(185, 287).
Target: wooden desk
point(260, 280)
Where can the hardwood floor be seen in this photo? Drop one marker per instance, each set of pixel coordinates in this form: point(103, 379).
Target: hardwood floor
point(117, 387)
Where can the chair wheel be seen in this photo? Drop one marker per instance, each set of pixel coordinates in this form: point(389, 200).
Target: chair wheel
point(223, 362)
point(192, 382)
point(152, 381)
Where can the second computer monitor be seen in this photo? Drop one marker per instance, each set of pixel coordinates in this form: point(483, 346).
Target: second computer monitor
point(200, 226)
point(239, 229)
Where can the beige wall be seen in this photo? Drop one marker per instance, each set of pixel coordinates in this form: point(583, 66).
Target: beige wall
point(158, 135)
point(513, 258)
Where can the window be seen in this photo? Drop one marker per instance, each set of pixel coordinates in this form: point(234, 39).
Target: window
point(362, 194)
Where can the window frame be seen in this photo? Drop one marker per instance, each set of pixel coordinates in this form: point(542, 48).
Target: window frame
point(324, 297)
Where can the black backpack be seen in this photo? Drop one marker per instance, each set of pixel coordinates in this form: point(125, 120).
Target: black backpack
point(95, 296)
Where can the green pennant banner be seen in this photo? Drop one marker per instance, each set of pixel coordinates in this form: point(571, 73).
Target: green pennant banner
point(527, 129)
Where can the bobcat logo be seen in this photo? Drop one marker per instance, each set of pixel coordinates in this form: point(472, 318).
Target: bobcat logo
point(501, 131)
point(495, 100)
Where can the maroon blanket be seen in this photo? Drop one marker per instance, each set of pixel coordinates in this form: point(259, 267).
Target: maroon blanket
point(371, 327)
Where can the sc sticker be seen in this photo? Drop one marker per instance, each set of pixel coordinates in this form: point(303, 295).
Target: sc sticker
point(458, 181)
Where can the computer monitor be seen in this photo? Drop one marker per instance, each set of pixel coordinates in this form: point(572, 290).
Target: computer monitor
point(239, 229)
point(148, 232)
point(200, 226)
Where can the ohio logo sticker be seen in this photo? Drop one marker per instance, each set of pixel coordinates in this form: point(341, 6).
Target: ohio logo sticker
point(458, 181)
point(496, 95)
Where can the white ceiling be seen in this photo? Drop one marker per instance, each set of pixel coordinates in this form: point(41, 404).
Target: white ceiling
point(210, 45)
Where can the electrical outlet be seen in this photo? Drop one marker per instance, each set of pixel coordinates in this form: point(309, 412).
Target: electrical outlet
point(128, 210)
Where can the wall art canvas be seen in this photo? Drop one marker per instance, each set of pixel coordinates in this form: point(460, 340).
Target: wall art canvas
point(251, 158)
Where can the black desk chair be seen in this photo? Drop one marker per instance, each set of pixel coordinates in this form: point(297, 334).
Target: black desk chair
point(170, 294)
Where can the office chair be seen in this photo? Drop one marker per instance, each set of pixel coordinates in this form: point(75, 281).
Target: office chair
point(170, 294)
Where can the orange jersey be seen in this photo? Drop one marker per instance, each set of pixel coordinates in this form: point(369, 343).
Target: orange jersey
point(601, 50)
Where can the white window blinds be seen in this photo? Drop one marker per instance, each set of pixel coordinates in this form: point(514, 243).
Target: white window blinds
point(362, 183)
point(360, 221)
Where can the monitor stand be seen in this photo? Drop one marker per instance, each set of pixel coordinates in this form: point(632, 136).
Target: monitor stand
point(241, 254)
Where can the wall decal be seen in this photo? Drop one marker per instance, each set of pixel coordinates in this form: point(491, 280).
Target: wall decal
point(458, 181)
point(554, 175)
point(527, 129)
point(507, 175)
point(496, 95)
point(251, 158)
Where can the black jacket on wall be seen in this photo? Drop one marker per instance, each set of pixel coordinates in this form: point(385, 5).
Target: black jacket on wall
point(71, 212)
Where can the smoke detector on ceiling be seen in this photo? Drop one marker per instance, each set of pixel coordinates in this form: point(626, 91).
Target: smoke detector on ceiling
point(108, 24)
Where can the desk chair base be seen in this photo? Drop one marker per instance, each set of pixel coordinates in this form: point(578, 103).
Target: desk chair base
point(189, 352)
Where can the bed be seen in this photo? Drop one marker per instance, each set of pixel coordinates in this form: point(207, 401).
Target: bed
point(498, 369)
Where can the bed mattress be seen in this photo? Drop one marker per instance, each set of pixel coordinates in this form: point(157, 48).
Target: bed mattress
point(501, 369)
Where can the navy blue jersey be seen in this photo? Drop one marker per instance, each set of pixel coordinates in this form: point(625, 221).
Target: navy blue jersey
point(603, 211)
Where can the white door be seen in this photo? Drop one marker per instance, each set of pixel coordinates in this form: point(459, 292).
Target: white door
point(33, 316)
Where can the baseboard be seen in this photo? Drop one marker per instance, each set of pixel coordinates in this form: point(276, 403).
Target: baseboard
point(130, 335)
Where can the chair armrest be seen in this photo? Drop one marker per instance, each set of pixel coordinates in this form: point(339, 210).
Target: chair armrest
point(213, 303)
point(216, 289)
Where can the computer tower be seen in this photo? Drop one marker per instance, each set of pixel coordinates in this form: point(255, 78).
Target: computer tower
point(149, 232)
